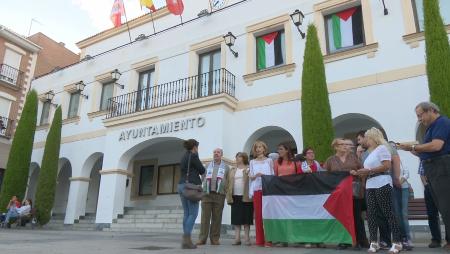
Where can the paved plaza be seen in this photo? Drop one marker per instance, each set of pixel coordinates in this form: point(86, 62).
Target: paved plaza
point(22, 241)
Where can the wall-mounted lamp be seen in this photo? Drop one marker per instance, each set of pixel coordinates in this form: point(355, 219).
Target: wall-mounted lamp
point(141, 37)
point(203, 13)
point(80, 87)
point(229, 41)
point(115, 75)
point(49, 97)
point(386, 12)
point(297, 17)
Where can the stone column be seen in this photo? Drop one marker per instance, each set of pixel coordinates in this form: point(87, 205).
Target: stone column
point(111, 197)
point(76, 203)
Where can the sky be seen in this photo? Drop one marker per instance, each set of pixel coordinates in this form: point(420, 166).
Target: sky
point(68, 21)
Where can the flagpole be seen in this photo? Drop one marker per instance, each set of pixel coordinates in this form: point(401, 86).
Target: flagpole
point(126, 20)
point(153, 23)
point(181, 19)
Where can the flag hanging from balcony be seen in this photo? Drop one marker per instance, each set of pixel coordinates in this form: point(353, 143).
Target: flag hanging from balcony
point(345, 28)
point(149, 4)
point(117, 11)
point(269, 49)
point(310, 208)
point(176, 7)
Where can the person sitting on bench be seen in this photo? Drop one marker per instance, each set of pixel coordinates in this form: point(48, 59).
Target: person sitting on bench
point(14, 212)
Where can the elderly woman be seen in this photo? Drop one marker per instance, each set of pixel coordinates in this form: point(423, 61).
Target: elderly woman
point(379, 190)
point(309, 165)
point(346, 160)
point(237, 196)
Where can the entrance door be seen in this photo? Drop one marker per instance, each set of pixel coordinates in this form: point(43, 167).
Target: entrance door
point(209, 74)
point(146, 180)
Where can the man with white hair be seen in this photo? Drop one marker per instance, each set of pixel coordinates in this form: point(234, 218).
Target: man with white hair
point(435, 156)
point(214, 185)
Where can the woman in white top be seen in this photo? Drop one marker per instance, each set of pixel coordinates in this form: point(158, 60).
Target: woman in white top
point(238, 197)
point(379, 190)
point(259, 166)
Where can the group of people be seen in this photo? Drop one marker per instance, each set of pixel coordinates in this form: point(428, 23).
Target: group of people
point(379, 186)
point(15, 210)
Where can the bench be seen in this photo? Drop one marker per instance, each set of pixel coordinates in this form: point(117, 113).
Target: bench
point(417, 209)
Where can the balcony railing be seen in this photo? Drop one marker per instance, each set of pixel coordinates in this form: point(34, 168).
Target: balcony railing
point(219, 81)
point(11, 75)
point(5, 127)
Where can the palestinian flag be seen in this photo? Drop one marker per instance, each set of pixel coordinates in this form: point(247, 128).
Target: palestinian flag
point(310, 208)
point(345, 29)
point(269, 49)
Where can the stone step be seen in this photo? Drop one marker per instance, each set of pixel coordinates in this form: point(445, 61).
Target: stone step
point(153, 216)
point(152, 220)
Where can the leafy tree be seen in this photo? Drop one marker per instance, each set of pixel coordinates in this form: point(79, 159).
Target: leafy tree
point(438, 56)
point(17, 168)
point(317, 126)
point(45, 192)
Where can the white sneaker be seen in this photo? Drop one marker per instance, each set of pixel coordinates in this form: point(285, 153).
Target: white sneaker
point(396, 248)
point(374, 247)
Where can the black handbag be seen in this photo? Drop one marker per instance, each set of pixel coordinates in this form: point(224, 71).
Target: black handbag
point(192, 191)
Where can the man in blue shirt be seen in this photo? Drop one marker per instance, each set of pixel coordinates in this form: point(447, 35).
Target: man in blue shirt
point(435, 156)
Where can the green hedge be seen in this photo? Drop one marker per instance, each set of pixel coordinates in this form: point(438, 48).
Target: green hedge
point(18, 166)
point(317, 126)
point(438, 56)
point(45, 192)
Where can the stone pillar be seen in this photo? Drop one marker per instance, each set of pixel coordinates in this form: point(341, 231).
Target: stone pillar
point(111, 197)
point(76, 203)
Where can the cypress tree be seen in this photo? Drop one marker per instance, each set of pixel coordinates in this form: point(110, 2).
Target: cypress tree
point(17, 168)
point(438, 56)
point(45, 191)
point(317, 126)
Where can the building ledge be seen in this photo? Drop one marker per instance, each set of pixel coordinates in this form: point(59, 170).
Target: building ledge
point(413, 39)
point(74, 119)
point(287, 69)
point(368, 50)
point(225, 100)
point(9, 85)
point(95, 114)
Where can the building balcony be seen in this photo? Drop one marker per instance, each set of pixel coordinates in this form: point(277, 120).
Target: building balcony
point(5, 127)
point(11, 75)
point(199, 87)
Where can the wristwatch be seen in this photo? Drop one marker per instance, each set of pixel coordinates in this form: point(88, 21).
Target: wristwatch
point(413, 148)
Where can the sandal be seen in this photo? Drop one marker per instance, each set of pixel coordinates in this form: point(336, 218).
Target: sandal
point(396, 248)
point(237, 243)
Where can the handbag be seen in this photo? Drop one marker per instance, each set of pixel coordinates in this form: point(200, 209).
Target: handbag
point(192, 191)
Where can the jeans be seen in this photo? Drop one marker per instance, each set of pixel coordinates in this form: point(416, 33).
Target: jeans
point(433, 216)
point(12, 213)
point(401, 198)
point(190, 209)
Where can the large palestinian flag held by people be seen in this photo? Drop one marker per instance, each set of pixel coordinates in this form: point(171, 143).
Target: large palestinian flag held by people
point(309, 208)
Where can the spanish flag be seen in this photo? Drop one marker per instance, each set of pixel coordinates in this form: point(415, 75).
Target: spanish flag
point(149, 4)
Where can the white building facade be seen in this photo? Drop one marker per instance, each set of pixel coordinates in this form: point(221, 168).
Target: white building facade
point(121, 147)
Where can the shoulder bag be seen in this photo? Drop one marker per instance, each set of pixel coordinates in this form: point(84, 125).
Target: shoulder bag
point(191, 191)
